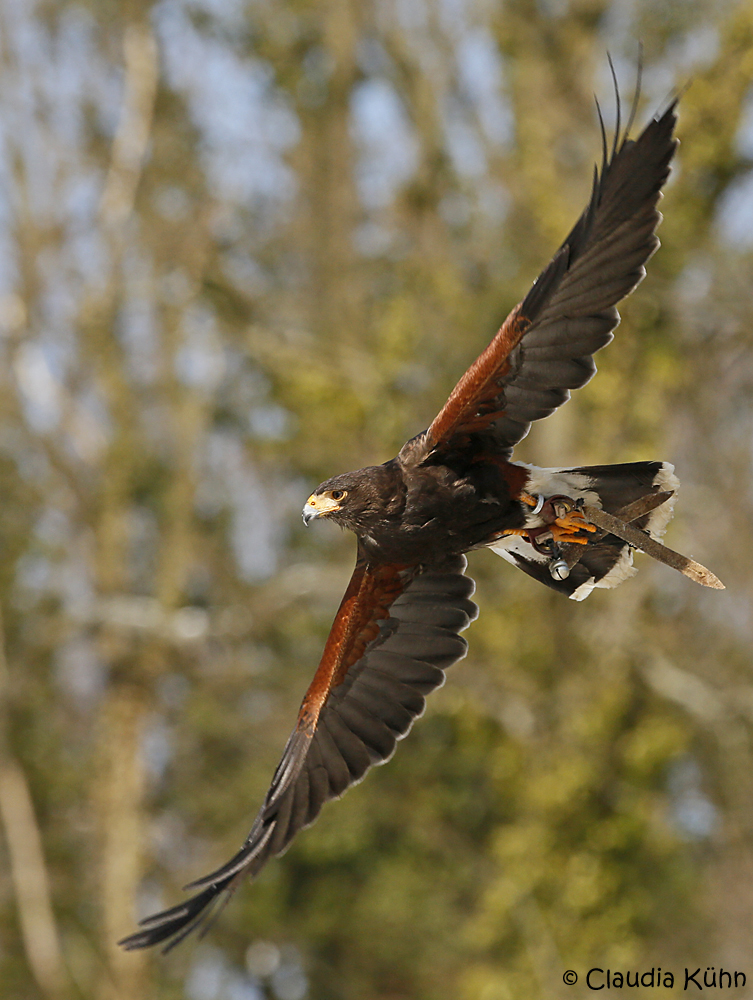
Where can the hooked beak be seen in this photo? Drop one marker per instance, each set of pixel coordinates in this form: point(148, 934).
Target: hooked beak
point(318, 505)
point(309, 513)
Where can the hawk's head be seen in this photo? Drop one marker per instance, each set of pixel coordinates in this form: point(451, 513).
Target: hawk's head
point(355, 500)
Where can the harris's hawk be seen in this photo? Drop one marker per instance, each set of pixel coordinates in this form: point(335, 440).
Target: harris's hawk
point(454, 488)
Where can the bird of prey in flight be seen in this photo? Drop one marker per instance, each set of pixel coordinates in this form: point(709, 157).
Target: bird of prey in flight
point(453, 488)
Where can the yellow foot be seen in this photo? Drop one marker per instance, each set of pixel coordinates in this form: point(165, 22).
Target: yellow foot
point(567, 521)
point(564, 536)
point(571, 523)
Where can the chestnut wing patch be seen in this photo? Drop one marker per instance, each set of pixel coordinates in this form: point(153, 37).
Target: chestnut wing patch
point(396, 655)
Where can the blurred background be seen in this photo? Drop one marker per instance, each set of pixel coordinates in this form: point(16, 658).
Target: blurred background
point(245, 245)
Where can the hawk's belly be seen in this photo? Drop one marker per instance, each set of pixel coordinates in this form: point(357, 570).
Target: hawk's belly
point(444, 514)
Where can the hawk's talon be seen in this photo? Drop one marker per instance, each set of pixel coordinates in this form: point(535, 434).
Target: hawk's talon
point(536, 501)
point(569, 538)
point(573, 523)
point(562, 516)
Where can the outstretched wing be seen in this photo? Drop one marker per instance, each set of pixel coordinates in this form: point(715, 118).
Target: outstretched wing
point(545, 346)
point(395, 634)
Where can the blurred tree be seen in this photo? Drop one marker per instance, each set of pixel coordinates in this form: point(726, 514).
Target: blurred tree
point(244, 247)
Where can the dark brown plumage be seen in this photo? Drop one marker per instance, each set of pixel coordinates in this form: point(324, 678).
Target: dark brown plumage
point(451, 489)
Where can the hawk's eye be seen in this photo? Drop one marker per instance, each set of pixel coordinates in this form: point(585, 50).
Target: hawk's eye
point(337, 494)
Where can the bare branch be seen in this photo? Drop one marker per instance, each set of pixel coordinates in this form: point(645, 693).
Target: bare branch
point(132, 136)
point(27, 863)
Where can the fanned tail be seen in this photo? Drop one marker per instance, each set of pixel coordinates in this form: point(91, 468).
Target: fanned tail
point(606, 560)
